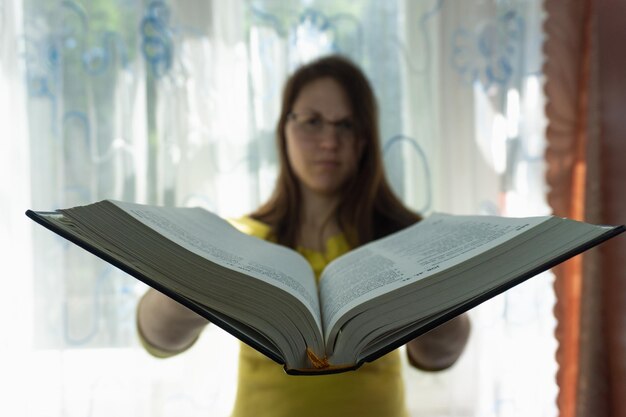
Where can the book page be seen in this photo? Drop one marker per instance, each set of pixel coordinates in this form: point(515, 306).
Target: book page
point(213, 238)
point(438, 243)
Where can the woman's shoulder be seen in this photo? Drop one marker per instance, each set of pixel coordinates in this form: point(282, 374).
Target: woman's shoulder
point(250, 226)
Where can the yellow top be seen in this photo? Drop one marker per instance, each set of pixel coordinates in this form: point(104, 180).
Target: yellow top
point(265, 390)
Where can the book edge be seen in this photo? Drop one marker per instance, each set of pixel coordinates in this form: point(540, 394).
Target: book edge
point(40, 218)
point(464, 307)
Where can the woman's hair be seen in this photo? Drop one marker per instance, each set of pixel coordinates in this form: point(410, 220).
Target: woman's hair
point(369, 209)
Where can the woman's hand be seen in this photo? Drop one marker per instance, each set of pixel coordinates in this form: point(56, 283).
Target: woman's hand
point(440, 348)
point(167, 324)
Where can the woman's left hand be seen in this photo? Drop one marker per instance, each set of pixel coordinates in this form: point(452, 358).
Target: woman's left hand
point(441, 347)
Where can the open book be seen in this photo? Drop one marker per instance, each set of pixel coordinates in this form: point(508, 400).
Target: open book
point(369, 301)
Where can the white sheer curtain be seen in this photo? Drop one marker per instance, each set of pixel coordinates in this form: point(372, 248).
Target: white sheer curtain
point(16, 309)
point(474, 107)
point(175, 103)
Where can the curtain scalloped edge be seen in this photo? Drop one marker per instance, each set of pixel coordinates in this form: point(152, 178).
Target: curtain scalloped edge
point(567, 72)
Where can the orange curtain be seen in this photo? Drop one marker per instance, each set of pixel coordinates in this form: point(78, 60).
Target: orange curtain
point(585, 86)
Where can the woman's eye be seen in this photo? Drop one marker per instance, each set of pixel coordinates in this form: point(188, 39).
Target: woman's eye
point(345, 125)
point(313, 122)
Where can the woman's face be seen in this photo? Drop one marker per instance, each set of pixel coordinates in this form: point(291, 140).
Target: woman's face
point(322, 147)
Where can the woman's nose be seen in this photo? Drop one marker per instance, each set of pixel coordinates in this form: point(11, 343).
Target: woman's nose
point(329, 136)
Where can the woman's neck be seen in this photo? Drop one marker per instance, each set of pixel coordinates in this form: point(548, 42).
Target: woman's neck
point(318, 222)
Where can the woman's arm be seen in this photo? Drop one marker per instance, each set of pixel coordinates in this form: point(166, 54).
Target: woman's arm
point(440, 348)
point(167, 325)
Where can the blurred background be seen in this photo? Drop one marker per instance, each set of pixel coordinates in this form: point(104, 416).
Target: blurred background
point(175, 103)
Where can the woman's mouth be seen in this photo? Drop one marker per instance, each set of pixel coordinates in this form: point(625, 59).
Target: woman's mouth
point(326, 164)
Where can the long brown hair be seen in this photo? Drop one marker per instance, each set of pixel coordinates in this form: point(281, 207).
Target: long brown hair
point(369, 209)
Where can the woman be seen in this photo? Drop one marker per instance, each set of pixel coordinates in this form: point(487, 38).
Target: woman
point(331, 196)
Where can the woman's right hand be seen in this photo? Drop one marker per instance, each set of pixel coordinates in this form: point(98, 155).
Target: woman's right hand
point(166, 324)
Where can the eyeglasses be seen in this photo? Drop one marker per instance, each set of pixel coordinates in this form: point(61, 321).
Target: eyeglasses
point(312, 126)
